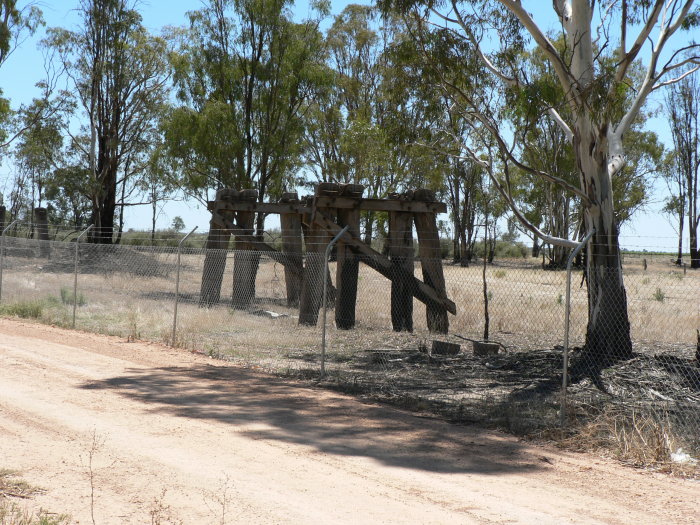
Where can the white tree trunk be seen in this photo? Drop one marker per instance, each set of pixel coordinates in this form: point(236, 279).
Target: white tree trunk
point(608, 331)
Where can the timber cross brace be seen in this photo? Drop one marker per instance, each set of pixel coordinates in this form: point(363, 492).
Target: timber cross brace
point(311, 222)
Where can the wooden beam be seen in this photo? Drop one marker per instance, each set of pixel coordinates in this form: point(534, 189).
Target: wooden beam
point(330, 202)
point(214, 262)
point(431, 264)
point(347, 272)
point(292, 243)
point(385, 205)
point(261, 207)
point(316, 239)
point(383, 265)
point(41, 230)
point(245, 263)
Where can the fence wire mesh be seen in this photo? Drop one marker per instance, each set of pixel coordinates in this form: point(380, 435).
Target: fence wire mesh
point(263, 310)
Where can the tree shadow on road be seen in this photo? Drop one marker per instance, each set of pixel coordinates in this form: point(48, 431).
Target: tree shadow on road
point(331, 423)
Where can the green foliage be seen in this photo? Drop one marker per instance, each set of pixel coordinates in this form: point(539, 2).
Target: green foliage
point(659, 295)
point(67, 297)
point(632, 186)
point(178, 224)
point(163, 238)
point(243, 71)
point(118, 74)
point(13, 514)
point(504, 250)
point(367, 124)
point(14, 24)
point(29, 309)
point(692, 20)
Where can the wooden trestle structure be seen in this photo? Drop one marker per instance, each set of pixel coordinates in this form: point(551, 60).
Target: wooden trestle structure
point(313, 221)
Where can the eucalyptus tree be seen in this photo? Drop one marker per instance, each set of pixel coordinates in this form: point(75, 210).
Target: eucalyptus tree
point(602, 41)
point(345, 138)
point(365, 127)
point(244, 72)
point(545, 147)
point(37, 151)
point(10, 22)
point(683, 110)
point(675, 203)
point(16, 24)
point(118, 74)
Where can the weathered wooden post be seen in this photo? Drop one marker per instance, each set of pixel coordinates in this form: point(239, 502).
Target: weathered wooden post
point(41, 227)
point(215, 257)
point(246, 259)
point(290, 224)
point(401, 254)
point(315, 238)
point(431, 262)
point(348, 264)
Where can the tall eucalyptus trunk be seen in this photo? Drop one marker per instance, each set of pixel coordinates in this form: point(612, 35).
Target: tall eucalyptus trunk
point(599, 156)
point(608, 331)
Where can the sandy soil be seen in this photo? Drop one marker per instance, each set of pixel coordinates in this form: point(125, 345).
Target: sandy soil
point(172, 437)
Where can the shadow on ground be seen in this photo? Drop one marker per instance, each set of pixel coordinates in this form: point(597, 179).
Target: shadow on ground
point(330, 423)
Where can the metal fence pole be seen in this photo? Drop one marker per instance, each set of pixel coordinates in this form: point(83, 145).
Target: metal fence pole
point(2, 252)
point(177, 285)
point(567, 312)
point(325, 293)
point(75, 272)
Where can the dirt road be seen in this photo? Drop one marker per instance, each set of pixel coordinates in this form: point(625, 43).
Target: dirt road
point(164, 436)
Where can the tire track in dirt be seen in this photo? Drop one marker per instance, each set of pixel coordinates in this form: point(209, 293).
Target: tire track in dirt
point(281, 453)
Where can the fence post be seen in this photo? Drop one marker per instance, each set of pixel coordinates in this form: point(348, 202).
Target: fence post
point(567, 311)
point(75, 272)
point(327, 254)
point(177, 285)
point(2, 252)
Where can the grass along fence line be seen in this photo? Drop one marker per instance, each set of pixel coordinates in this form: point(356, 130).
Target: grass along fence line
point(130, 292)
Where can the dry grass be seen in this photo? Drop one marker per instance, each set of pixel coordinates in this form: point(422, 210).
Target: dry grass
point(639, 437)
point(526, 310)
point(12, 487)
point(526, 305)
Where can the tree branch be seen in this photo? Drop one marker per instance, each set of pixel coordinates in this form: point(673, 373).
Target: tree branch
point(560, 67)
point(667, 29)
point(557, 241)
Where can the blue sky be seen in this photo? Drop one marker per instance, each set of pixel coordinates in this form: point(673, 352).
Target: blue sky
point(648, 229)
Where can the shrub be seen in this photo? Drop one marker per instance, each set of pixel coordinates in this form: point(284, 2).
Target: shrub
point(659, 295)
point(24, 309)
point(67, 297)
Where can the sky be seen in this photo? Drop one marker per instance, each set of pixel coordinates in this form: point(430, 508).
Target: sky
point(648, 229)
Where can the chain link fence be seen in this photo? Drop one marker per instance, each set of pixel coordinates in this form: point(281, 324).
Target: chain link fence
point(261, 310)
